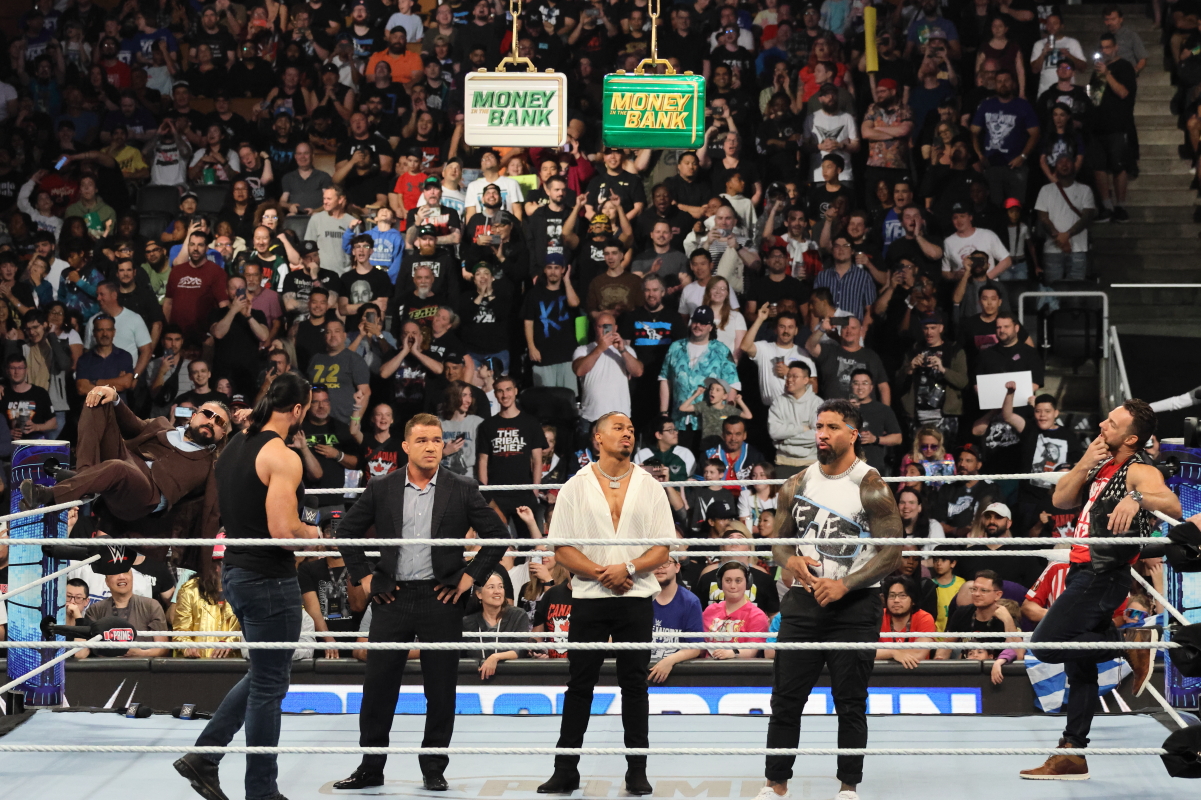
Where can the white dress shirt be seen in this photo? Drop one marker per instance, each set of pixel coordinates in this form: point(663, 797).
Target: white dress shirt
point(582, 512)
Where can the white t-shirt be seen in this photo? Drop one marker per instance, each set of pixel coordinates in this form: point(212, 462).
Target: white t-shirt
point(7, 94)
point(1047, 78)
point(693, 295)
point(956, 248)
point(1062, 216)
point(767, 355)
point(56, 271)
point(132, 333)
point(411, 23)
point(820, 126)
point(510, 192)
point(606, 387)
point(143, 584)
point(727, 335)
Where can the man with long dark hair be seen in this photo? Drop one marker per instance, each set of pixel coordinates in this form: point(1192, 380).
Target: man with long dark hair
point(835, 594)
point(1120, 490)
point(417, 592)
point(260, 490)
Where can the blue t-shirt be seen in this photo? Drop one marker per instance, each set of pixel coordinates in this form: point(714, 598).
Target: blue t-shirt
point(94, 368)
point(682, 614)
point(1004, 128)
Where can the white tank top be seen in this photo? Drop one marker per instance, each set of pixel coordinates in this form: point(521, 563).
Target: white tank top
point(831, 509)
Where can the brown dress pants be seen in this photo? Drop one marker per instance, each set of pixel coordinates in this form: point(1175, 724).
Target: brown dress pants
point(105, 466)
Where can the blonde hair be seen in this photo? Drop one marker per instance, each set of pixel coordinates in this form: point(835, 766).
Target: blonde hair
point(928, 430)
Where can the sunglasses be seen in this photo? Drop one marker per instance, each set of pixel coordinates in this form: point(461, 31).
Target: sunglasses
point(929, 447)
point(210, 414)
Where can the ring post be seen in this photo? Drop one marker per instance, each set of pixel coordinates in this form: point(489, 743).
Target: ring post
point(27, 564)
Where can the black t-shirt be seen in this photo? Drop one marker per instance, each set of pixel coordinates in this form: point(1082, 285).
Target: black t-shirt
point(337, 435)
point(375, 143)
point(702, 503)
point(331, 590)
point(625, 185)
point(220, 42)
point(1022, 570)
point(381, 458)
point(1003, 444)
point(554, 324)
point(310, 340)
point(651, 333)
point(1046, 451)
point(553, 612)
point(690, 193)
point(963, 620)
point(444, 219)
point(544, 228)
point(1116, 114)
point(681, 224)
point(956, 503)
point(160, 573)
point(909, 249)
point(820, 199)
point(1017, 358)
point(720, 174)
point(440, 346)
point(198, 400)
point(880, 420)
point(34, 403)
point(363, 190)
point(442, 263)
point(359, 288)
point(409, 386)
point(929, 384)
point(485, 325)
point(765, 290)
point(508, 443)
point(298, 283)
point(238, 349)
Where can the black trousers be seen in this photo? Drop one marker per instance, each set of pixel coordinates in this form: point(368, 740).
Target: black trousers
point(414, 613)
point(854, 618)
point(1083, 613)
point(626, 619)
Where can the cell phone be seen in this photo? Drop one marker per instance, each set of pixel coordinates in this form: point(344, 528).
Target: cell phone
point(371, 316)
point(607, 328)
point(241, 292)
point(183, 413)
point(1096, 56)
point(838, 322)
point(62, 162)
point(535, 559)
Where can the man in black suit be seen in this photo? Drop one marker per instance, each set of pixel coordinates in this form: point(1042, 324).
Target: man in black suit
point(416, 592)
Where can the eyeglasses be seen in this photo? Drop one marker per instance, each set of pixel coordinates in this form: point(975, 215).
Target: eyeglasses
point(978, 590)
point(210, 414)
point(897, 595)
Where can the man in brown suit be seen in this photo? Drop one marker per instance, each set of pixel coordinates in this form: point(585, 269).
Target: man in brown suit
point(139, 467)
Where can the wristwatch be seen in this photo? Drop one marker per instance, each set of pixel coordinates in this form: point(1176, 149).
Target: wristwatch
point(630, 568)
point(1136, 495)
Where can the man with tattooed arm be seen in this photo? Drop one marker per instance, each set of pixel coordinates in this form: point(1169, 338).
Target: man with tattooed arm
point(837, 503)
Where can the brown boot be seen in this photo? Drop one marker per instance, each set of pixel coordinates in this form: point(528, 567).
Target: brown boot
point(1141, 661)
point(1059, 768)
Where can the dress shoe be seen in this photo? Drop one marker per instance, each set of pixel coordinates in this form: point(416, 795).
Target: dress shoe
point(434, 783)
point(35, 495)
point(1059, 768)
point(361, 779)
point(563, 781)
point(636, 782)
point(1141, 661)
point(202, 774)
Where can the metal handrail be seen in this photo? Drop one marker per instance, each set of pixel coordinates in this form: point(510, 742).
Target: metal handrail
point(1104, 310)
point(1120, 361)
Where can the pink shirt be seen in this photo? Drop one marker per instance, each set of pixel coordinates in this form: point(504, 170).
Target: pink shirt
point(749, 618)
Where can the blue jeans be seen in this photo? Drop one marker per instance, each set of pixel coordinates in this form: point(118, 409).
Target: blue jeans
point(1083, 613)
point(269, 610)
point(1060, 266)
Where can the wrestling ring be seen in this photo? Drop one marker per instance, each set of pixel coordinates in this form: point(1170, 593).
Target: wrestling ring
point(113, 756)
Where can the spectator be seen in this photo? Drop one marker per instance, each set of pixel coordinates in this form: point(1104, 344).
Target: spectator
point(932, 377)
point(947, 585)
point(1055, 49)
point(497, 614)
point(754, 500)
point(880, 429)
point(326, 448)
point(677, 610)
point(887, 126)
point(968, 240)
point(996, 522)
point(200, 392)
point(300, 283)
point(1115, 81)
point(956, 503)
point(1012, 128)
point(851, 285)
point(553, 614)
point(509, 451)
point(735, 613)
point(200, 606)
point(651, 329)
point(365, 283)
point(331, 599)
point(664, 439)
point(327, 226)
point(917, 523)
point(902, 615)
point(792, 420)
point(104, 364)
point(302, 189)
point(711, 509)
point(486, 314)
point(199, 287)
point(778, 289)
point(772, 359)
point(239, 332)
point(605, 368)
point(263, 299)
point(342, 372)
point(688, 362)
point(836, 362)
point(27, 408)
point(985, 614)
point(1010, 353)
point(142, 613)
point(1128, 44)
point(132, 334)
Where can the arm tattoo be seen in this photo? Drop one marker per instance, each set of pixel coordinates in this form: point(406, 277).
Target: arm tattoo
point(785, 525)
point(883, 521)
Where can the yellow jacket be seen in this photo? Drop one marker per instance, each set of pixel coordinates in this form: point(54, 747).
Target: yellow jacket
point(194, 613)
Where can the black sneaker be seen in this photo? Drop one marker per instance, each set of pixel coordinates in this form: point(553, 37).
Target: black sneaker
point(202, 774)
point(1120, 214)
point(1103, 215)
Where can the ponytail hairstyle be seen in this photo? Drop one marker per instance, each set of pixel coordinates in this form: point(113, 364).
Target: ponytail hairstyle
point(287, 391)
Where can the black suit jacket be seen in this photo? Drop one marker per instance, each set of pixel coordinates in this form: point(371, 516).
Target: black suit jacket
point(458, 506)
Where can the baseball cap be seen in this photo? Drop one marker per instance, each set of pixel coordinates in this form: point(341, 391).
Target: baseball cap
point(712, 380)
point(828, 88)
point(600, 219)
point(1000, 509)
point(483, 265)
point(960, 208)
point(426, 230)
point(308, 247)
point(739, 527)
point(936, 33)
point(453, 358)
point(702, 315)
point(432, 180)
point(331, 67)
point(239, 401)
point(933, 318)
point(495, 364)
point(1013, 202)
point(556, 259)
point(887, 83)
point(186, 195)
point(504, 218)
point(721, 508)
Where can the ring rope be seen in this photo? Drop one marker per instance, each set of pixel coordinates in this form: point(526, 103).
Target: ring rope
point(668, 637)
point(38, 670)
point(46, 578)
point(821, 646)
point(586, 751)
point(565, 541)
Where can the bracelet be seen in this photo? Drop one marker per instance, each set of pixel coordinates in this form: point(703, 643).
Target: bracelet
point(356, 419)
point(341, 456)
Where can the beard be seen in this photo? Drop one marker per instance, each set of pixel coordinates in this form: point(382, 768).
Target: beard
point(293, 429)
point(205, 434)
point(424, 293)
point(829, 455)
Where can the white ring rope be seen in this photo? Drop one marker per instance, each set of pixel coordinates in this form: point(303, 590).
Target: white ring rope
point(39, 669)
point(527, 487)
point(668, 637)
point(564, 541)
point(46, 578)
point(586, 751)
point(820, 646)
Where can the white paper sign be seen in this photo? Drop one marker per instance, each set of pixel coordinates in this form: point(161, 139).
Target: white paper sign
point(515, 109)
point(992, 388)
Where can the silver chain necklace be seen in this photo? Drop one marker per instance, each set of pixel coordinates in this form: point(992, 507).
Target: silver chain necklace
point(842, 474)
point(614, 483)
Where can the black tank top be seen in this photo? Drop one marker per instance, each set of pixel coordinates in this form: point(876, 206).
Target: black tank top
point(243, 497)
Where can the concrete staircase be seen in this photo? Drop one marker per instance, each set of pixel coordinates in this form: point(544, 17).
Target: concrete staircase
point(1160, 244)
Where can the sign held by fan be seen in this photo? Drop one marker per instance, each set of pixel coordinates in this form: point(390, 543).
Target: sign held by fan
point(515, 109)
